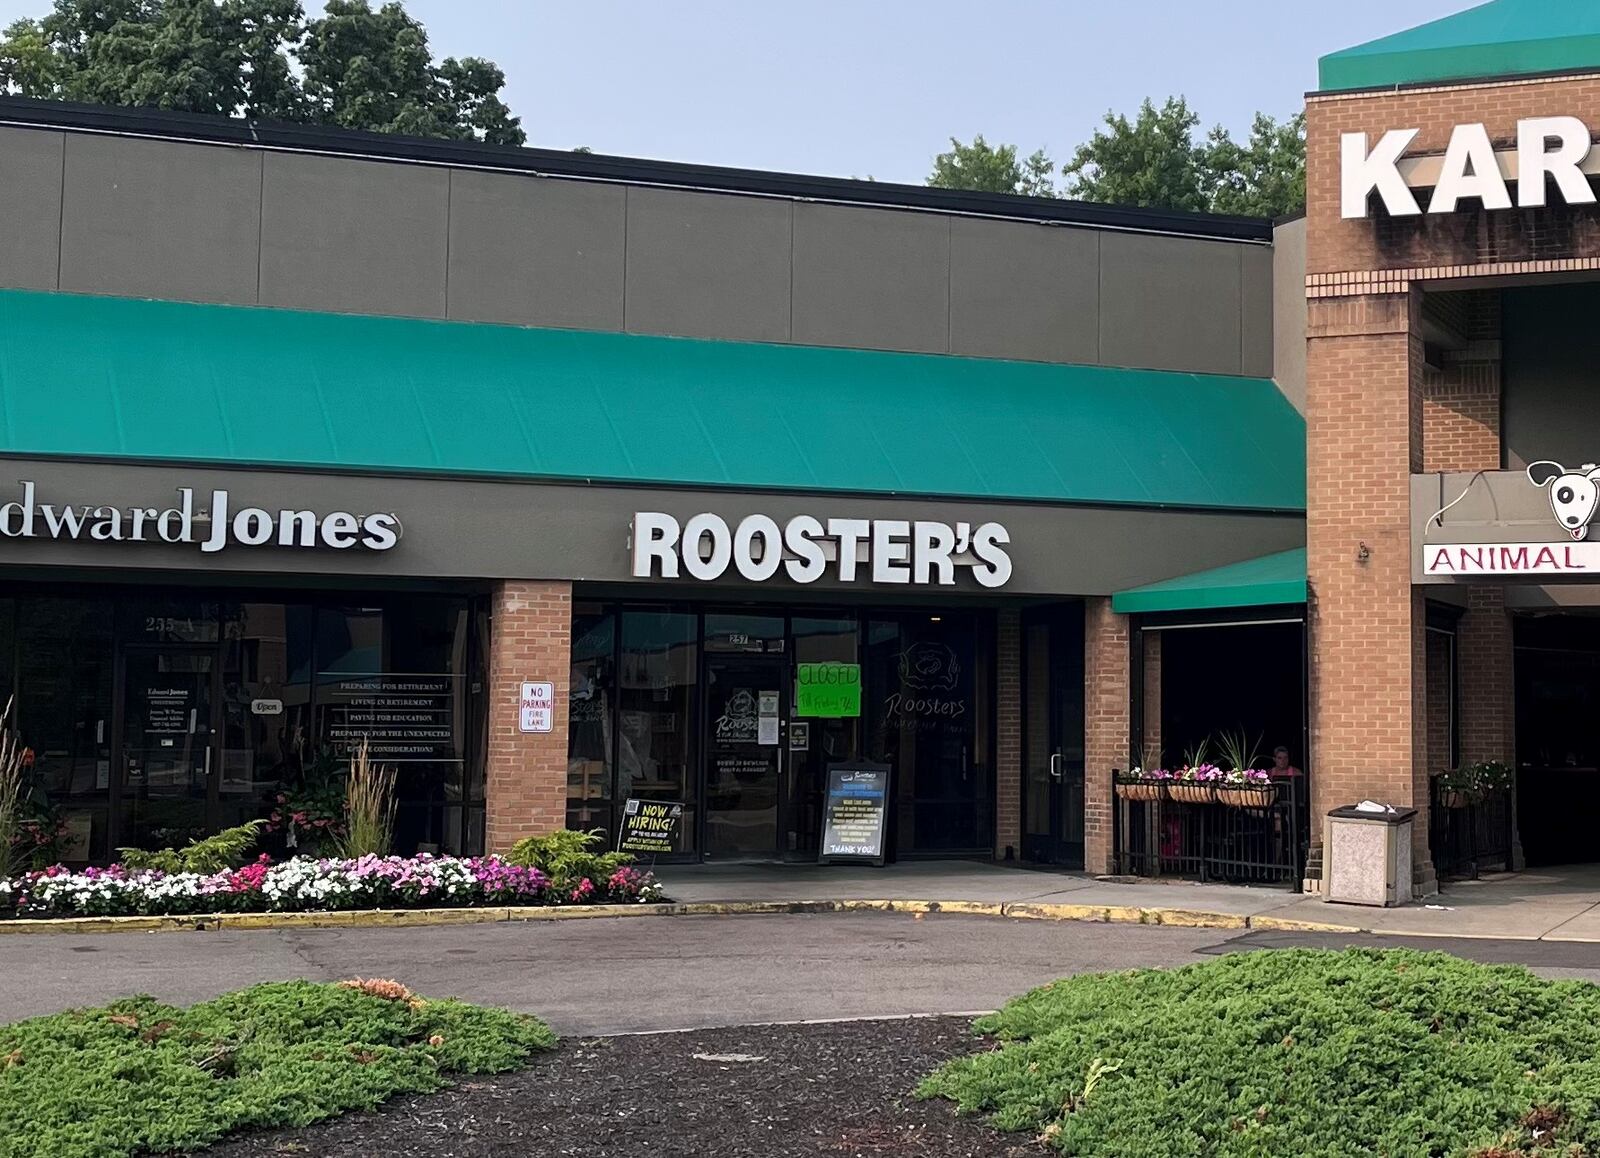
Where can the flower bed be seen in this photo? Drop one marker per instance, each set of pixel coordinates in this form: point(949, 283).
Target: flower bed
point(305, 884)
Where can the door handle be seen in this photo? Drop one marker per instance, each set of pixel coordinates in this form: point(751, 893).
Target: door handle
point(1055, 765)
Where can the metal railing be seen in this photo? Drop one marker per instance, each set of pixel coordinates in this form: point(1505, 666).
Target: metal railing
point(1468, 836)
point(1217, 841)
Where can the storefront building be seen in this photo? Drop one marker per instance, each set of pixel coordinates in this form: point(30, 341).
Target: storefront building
point(1453, 247)
point(312, 437)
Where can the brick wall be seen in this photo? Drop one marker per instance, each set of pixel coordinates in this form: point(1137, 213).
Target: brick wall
point(1008, 736)
point(1461, 397)
point(530, 639)
point(1464, 239)
point(1364, 440)
point(1375, 414)
point(1107, 730)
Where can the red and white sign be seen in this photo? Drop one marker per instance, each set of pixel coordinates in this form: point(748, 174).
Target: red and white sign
point(1582, 558)
point(538, 707)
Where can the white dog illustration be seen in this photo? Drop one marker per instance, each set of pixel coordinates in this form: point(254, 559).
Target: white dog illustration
point(1573, 494)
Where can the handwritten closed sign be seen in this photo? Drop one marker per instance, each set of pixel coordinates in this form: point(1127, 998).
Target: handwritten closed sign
point(827, 690)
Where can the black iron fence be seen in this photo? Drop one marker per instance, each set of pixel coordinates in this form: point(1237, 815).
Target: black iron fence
point(1469, 834)
point(1159, 831)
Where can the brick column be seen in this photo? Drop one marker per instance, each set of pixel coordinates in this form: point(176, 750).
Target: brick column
point(1107, 724)
point(1008, 735)
point(530, 639)
point(1364, 441)
point(1150, 724)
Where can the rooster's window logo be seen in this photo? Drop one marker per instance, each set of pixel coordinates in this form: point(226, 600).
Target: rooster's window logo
point(930, 667)
point(1573, 493)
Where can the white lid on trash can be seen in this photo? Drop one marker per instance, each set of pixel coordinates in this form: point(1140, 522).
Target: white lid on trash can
point(1372, 811)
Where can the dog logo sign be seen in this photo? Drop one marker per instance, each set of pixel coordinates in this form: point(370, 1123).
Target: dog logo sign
point(1573, 493)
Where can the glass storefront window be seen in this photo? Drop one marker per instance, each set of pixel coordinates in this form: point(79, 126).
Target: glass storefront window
point(64, 713)
point(930, 679)
point(394, 674)
point(656, 681)
point(822, 741)
point(590, 719)
point(158, 717)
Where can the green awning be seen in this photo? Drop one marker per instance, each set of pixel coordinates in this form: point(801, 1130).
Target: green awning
point(1501, 38)
point(1262, 582)
point(91, 376)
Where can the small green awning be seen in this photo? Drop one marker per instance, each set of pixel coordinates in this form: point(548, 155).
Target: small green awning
point(1271, 579)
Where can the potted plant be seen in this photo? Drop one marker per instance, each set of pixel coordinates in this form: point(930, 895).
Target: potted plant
point(1458, 787)
point(1146, 784)
point(1491, 776)
point(1247, 788)
point(1195, 784)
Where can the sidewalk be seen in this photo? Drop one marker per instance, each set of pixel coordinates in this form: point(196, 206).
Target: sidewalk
point(1552, 905)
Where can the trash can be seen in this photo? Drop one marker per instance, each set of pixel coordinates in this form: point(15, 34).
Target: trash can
point(1367, 855)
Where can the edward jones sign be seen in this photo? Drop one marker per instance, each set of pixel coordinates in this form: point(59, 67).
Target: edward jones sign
point(807, 548)
point(212, 530)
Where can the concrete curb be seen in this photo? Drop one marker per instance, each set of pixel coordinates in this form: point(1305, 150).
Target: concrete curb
point(410, 918)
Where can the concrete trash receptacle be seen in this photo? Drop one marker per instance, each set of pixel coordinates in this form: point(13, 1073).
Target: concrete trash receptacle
point(1367, 856)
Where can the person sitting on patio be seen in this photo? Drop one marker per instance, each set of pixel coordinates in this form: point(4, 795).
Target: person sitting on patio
point(1281, 768)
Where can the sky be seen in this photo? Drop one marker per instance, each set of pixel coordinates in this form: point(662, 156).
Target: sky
point(859, 88)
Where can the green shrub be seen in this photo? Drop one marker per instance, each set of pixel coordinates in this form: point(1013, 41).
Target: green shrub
point(1304, 1053)
point(566, 856)
point(138, 1076)
point(212, 854)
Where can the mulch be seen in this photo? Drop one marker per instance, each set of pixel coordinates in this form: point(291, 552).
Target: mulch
point(840, 1090)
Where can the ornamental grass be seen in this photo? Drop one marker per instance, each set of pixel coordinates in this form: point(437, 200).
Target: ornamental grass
point(1308, 1053)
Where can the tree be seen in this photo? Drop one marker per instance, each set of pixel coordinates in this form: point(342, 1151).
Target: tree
point(1150, 161)
point(987, 168)
point(354, 66)
point(1266, 176)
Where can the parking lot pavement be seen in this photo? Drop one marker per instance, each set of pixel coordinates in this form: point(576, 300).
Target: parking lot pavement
point(616, 976)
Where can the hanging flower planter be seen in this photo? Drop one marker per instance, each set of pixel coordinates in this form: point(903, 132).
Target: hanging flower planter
point(1195, 785)
point(1250, 788)
point(1146, 786)
point(1465, 787)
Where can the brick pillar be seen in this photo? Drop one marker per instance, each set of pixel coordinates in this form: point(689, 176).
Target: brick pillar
point(530, 639)
point(1363, 443)
point(1107, 723)
point(1008, 736)
point(1485, 660)
point(1150, 755)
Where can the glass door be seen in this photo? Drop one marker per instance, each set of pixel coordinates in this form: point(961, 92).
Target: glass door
point(1052, 741)
point(747, 712)
point(168, 774)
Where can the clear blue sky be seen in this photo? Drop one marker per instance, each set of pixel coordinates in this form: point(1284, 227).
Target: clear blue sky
point(876, 87)
point(859, 87)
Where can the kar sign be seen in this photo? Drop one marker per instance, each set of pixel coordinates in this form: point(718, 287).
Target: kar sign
point(1557, 148)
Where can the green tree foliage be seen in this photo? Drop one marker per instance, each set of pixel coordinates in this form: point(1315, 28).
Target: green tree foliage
point(987, 168)
point(1263, 177)
point(1152, 160)
point(354, 66)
